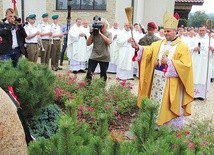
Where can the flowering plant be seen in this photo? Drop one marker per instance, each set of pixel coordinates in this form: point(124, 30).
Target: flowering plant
point(95, 99)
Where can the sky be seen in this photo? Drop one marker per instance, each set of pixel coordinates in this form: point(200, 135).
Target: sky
point(208, 7)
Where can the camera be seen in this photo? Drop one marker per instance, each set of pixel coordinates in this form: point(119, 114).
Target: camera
point(96, 26)
point(19, 20)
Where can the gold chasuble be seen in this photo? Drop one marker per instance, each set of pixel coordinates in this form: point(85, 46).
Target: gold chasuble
point(170, 106)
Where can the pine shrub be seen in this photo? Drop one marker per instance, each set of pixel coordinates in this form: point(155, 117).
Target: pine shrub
point(46, 123)
point(32, 83)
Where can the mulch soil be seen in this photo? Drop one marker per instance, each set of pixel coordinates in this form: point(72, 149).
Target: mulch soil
point(123, 124)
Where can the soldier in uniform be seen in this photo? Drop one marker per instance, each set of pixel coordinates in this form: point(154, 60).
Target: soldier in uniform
point(150, 37)
point(32, 38)
point(45, 34)
point(55, 43)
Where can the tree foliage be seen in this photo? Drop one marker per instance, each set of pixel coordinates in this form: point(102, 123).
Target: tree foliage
point(197, 19)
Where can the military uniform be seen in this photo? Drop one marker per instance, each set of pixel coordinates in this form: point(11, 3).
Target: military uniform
point(148, 39)
point(55, 44)
point(45, 33)
point(31, 42)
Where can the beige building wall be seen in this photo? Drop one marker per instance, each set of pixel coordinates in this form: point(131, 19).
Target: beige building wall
point(109, 14)
point(144, 10)
point(120, 14)
point(155, 13)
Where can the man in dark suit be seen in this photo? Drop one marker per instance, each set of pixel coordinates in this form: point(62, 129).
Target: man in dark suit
point(12, 38)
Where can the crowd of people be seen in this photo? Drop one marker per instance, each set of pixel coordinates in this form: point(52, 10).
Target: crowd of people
point(174, 65)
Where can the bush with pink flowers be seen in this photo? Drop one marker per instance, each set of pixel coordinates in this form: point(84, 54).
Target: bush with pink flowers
point(95, 99)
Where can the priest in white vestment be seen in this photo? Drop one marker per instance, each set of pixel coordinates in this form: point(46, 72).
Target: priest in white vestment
point(77, 47)
point(125, 54)
point(200, 62)
point(115, 31)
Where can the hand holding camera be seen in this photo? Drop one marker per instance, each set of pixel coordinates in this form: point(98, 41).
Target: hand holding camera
point(97, 25)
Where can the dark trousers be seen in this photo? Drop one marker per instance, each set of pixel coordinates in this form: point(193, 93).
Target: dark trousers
point(55, 53)
point(13, 54)
point(63, 51)
point(92, 64)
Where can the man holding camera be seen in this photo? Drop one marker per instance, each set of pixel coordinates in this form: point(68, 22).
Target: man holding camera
point(101, 40)
point(12, 35)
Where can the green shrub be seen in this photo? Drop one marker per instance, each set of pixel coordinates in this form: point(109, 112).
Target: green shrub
point(46, 123)
point(9, 74)
point(32, 83)
point(79, 138)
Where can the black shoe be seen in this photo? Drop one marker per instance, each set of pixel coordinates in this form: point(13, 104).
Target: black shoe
point(61, 64)
point(81, 71)
point(58, 68)
point(75, 72)
point(54, 68)
point(131, 79)
point(211, 80)
point(200, 98)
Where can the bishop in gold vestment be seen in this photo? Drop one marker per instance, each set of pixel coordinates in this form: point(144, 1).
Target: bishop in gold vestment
point(178, 92)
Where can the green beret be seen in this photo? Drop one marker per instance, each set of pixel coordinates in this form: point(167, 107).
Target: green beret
point(31, 16)
point(45, 15)
point(55, 16)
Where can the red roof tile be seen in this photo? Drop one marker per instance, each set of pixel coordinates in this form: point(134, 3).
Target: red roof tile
point(190, 1)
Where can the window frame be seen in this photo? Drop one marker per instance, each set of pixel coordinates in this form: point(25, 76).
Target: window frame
point(80, 7)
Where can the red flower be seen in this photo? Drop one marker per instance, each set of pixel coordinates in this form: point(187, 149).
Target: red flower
point(81, 108)
point(106, 107)
point(58, 92)
point(78, 113)
point(90, 109)
point(178, 135)
point(187, 132)
point(81, 84)
point(94, 119)
point(191, 145)
point(107, 99)
point(114, 96)
point(206, 143)
point(123, 83)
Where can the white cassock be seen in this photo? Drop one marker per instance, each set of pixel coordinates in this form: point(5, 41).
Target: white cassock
point(125, 54)
point(77, 48)
point(201, 81)
point(113, 50)
point(191, 42)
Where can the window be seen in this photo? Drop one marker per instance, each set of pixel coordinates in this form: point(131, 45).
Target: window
point(82, 4)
